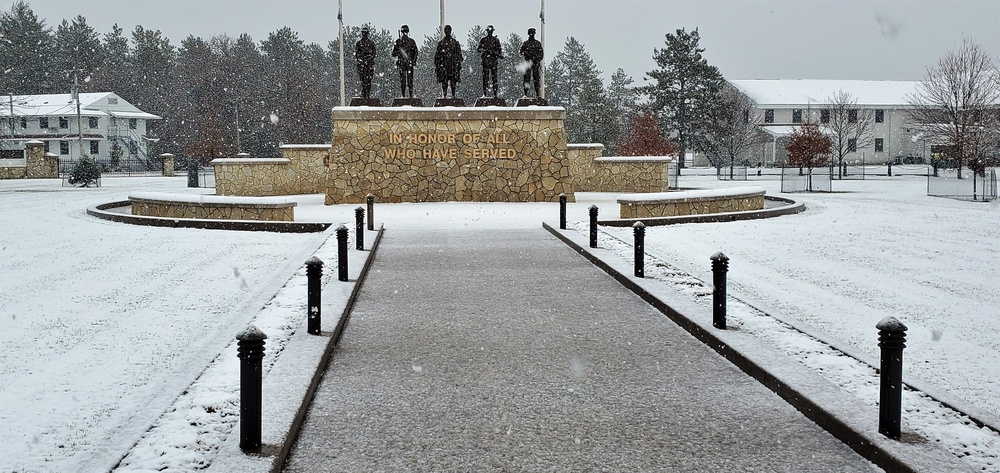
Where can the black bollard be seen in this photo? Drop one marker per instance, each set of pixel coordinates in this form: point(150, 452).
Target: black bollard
point(890, 168)
point(720, 265)
point(593, 226)
point(562, 211)
point(640, 248)
point(342, 253)
point(892, 340)
point(370, 200)
point(314, 274)
point(250, 350)
point(359, 228)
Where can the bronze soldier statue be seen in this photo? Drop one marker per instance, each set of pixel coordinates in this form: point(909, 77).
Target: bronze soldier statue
point(531, 49)
point(448, 62)
point(489, 48)
point(364, 53)
point(405, 52)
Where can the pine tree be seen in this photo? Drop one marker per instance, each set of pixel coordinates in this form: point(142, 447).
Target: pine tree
point(510, 81)
point(624, 99)
point(471, 87)
point(25, 53)
point(685, 91)
point(78, 50)
point(152, 60)
point(574, 82)
point(198, 100)
point(114, 74)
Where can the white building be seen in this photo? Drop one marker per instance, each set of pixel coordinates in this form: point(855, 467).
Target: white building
point(104, 118)
point(785, 104)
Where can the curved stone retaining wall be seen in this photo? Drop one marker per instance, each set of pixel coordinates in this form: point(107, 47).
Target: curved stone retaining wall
point(695, 202)
point(275, 209)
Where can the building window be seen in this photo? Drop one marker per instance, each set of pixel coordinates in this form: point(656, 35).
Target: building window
point(852, 145)
point(93, 122)
point(769, 115)
point(63, 122)
point(43, 122)
point(797, 115)
point(112, 101)
point(852, 116)
point(47, 147)
point(879, 145)
point(879, 115)
point(132, 123)
point(64, 147)
point(24, 123)
point(824, 115)
point(95, 147)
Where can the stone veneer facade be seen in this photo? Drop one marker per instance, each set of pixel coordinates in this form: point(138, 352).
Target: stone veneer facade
point(220, 210)
point(301, 170)
point(593, 172)
point(448, 154)
point(632, 207)
point(37, 164)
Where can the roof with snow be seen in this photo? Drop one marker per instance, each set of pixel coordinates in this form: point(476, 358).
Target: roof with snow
point(815, 91)
point(95, 104)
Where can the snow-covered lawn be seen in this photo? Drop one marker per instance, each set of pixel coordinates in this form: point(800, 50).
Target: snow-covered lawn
point(104, 325)
point(871, 249)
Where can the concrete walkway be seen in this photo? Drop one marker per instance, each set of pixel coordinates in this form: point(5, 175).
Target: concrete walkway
point(507, 351)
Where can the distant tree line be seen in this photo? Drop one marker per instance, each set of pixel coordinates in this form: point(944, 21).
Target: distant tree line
point(224, 95)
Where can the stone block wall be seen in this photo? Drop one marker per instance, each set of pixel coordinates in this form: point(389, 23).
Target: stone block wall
point(274, 212)
point(690, 203)
point(594, 173)
point(36, 165)
point(581, 158)
point(308, 164)
point(630, 174)
point(448, 154)
point(254, 177)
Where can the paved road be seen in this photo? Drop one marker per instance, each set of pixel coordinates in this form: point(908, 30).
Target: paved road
point(507, 351)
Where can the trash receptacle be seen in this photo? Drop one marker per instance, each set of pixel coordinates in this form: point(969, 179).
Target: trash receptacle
point(193, 175)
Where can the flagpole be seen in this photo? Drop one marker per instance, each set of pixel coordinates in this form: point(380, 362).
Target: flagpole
point(340, 19)
point(541, 16)
point(441, 28)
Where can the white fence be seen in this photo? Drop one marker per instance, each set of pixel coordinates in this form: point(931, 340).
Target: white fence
point(795, 179)
point(970, 187)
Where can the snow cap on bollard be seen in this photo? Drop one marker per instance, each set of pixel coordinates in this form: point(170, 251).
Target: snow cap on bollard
point(890, 324)
point(251, 333)
point(314, 261)
point(720, 257)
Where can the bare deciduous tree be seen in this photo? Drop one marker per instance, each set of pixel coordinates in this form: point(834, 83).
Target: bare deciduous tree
point(849, 127)
point(734, 129)
point(955, 103)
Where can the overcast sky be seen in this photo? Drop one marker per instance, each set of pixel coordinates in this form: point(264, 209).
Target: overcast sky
point(745, 39)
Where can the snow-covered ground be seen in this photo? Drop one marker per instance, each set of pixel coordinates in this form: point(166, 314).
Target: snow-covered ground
point(104, 325)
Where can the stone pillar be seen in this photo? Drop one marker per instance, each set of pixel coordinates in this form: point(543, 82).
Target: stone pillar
point(40, 165)
point(168, 164)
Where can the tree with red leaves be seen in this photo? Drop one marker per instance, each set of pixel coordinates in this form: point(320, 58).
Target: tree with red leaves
point(644, 139)
point(808, 148)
